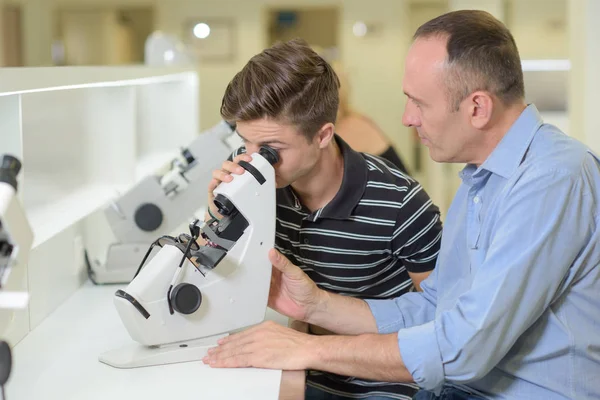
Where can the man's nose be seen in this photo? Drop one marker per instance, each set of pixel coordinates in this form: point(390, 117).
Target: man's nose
point(410, 116)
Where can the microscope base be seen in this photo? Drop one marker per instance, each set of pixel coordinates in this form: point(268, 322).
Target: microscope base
point(137, 355)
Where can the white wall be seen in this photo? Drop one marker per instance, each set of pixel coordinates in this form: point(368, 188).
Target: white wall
point(10, 45)
point(373, 76)
point(373, 73)
point(86, 35)
point(375, 64)
point(317, 25)
point(540, 28)
point(38, 29)
point(249, 18)
point(96, 37)
point(584, 85)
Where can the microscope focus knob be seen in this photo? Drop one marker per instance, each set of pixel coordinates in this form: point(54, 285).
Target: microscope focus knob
point(223, 204)
point(186, 298)
point(148, 217)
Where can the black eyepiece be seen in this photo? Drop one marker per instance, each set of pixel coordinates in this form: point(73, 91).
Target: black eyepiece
point(9, 169)
point(269, 154)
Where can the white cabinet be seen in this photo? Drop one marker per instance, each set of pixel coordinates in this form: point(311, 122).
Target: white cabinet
point(83, 134)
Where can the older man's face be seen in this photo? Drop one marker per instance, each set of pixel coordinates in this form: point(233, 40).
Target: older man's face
point(444, 131)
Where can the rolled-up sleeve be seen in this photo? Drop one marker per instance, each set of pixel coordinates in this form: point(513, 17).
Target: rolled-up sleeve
point(422, 357)
point(411, 309)
point(539, 231)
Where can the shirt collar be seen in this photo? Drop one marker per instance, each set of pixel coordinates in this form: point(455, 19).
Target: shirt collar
point(509, 153)
point(351, 191)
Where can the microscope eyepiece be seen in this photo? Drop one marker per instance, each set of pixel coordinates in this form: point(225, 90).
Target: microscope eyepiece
point(9, 169)
point(269, 154)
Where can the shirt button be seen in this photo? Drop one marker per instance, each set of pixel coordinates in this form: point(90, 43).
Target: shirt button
point(305, 241)
point(476, 199)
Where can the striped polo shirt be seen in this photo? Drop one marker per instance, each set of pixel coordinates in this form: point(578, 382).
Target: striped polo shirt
point(380, 225)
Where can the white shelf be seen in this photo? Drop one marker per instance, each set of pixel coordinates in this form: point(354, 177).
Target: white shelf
point(154, 163)
point(52, 218)
point(85, 135)
point(59, 360)
point(35, 80)
point(58, 213)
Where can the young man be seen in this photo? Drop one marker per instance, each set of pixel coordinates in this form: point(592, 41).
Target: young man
point(354, 223)
point(512, 309)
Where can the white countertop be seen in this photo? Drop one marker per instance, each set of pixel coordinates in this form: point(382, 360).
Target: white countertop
point(59, 360)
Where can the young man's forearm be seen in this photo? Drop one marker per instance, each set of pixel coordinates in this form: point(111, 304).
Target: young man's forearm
point(343, 315)
point(369, 356)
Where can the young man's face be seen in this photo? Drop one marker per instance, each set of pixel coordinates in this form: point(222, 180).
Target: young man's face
point(297, 156)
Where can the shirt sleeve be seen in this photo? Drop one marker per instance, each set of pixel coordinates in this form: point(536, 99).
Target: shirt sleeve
point(418, 231)
point(410, 309)
point(540, 234)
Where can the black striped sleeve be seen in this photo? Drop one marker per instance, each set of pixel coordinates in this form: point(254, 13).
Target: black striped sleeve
point(418, 231)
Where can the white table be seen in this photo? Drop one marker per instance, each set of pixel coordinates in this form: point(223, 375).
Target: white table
point(59, 360)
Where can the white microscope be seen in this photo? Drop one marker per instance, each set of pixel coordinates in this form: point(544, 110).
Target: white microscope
point(16, 238)
point(160, 204)
point(188, 296)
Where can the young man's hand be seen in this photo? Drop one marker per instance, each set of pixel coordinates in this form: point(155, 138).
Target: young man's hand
point(292, 292)
point(224, 175)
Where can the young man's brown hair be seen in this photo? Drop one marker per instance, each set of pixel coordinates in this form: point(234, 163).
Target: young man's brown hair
point(289, 83)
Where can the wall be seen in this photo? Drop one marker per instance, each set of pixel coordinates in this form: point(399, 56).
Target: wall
point(379, 79)
point(86, 36)
point(373, 75)
point(318, 26)
point(584, 83)
point(11, 28)
point(135, 24)
point(37, 32)
point(103, 36)
point(250, 23)
point(250, 18)
point(375, 64)
point(539, 28)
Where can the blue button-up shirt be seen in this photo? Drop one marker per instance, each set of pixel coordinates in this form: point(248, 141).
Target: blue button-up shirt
point(512, 309)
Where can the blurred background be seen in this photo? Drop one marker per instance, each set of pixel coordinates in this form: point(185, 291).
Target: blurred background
point(369, 39)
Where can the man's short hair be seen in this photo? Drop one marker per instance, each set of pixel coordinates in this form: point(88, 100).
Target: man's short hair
point(289, 83)
point(482, 55)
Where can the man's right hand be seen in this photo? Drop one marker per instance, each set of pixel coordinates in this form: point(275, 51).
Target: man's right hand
point(295, 295)
point(292, 292)
point(224, 175)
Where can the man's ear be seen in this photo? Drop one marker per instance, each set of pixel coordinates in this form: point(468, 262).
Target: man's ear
point(481, 108)
point(325, 135)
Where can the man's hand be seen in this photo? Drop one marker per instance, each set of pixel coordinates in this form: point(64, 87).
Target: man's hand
point(224, 175)
point(273, 346)
point(295, 295)
point(268, 345)
point(292, 292)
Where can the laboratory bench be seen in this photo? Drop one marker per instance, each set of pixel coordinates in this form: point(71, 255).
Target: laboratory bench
point(59, 360)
